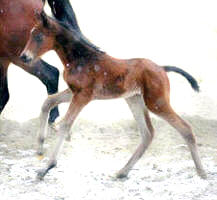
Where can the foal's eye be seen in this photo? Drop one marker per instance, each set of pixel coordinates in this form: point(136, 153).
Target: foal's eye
point(38, 37)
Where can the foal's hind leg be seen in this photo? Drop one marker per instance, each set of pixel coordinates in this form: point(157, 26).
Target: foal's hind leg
point(4, 94)
point(50, 102)
point(164, 110)
point(48, 75)
point(141, 115)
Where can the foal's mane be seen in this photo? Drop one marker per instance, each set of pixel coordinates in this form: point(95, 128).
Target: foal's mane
point(75, 46)
point(65, 15)
point(81, 38)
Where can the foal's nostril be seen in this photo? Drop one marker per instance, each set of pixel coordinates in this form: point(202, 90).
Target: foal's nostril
point(25, 58)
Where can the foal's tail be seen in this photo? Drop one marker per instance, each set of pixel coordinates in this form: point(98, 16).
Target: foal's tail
point(191, 79)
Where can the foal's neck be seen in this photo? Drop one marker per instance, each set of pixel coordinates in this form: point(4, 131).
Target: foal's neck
point(74, 49)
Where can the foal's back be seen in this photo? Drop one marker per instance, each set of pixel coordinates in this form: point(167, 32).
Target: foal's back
point(110, 77)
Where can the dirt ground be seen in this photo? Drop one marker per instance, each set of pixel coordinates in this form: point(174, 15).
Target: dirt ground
point(88, 164)
point(105, 135)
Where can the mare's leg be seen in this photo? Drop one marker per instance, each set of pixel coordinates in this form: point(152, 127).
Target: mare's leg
point(141, 115)
point(162, 108)
point(48, 75)
point(78, 102)
point(4, 94)
point(50, 102)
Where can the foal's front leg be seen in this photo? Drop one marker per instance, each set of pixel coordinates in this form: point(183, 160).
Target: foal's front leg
point(78, 102)
point(50, 102)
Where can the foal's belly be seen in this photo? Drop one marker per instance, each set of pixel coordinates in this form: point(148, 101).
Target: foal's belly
point(111, 91)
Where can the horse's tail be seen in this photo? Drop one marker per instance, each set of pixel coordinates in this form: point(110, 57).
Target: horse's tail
point(191, 79)
point(63, 11)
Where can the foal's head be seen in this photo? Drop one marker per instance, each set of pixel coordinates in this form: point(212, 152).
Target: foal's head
point(69, 43)
point(41, 40)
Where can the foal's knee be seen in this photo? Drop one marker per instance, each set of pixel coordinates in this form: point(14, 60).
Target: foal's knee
point(48, 105)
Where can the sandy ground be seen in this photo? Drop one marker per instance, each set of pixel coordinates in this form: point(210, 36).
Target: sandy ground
point(105, 134)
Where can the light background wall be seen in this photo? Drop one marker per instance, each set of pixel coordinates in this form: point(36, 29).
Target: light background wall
point(169, 32)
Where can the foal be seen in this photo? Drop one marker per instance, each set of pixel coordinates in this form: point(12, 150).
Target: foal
point(92, 74)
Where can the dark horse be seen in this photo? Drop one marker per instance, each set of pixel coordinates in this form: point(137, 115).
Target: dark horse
point(92, 74)
point(17, 18)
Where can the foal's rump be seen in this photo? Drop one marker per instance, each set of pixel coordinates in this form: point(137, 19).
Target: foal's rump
point(156, 84)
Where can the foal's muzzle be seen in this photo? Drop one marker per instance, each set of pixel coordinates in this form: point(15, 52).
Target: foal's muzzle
point(25, 58)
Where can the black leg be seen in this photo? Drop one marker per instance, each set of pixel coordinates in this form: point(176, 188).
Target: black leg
point(4, 93)
point(49, 75)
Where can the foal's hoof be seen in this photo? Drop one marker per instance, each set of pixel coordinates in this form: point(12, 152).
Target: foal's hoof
point(202, 174)
point(121, 174)
point(40, 175)
point(40, 152)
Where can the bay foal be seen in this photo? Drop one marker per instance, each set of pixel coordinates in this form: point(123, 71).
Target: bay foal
point(92, 74)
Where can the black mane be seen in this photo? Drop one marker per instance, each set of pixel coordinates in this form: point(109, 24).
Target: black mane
point(76, 48)
point(63, 11)
point(65, 15)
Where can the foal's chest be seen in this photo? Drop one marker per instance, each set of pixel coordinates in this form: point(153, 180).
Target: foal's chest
point(77, 78)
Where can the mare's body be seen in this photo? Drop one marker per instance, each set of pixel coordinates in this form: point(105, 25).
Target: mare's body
point(92, 74)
